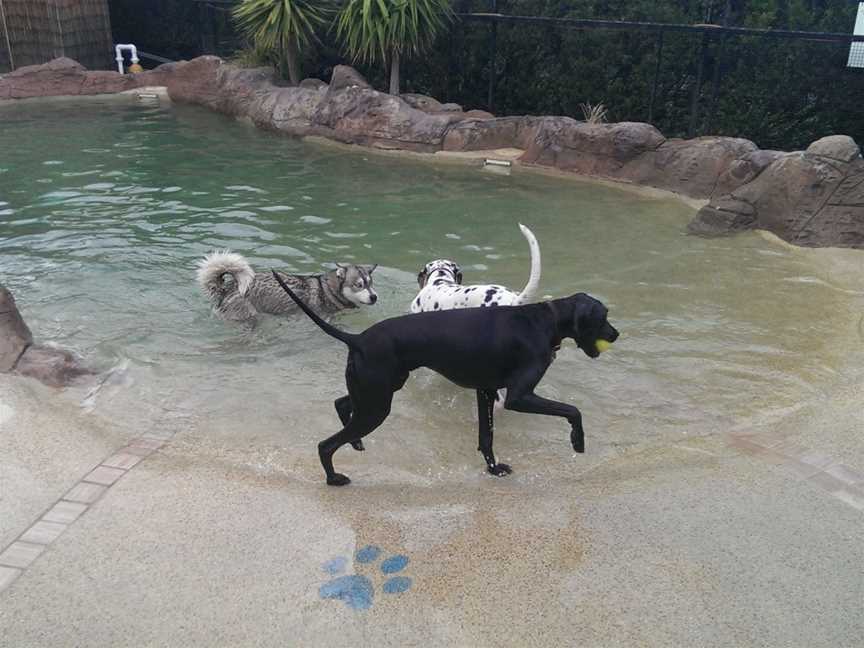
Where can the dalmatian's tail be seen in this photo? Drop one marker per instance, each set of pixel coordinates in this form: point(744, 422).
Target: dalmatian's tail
point(530, 289)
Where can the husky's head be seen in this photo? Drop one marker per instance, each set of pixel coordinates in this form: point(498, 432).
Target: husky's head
point(355, 283)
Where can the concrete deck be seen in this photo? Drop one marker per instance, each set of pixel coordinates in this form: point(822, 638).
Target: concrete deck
point(715, 541)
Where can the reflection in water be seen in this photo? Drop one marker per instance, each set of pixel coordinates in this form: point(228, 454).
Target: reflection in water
point(105, 211)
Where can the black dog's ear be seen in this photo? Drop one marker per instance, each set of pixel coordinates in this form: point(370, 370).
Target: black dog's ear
point(370, 269)
point(581, 311)
point(421, 278)
point(457, 271)
point(588, 314)
point(341, 270)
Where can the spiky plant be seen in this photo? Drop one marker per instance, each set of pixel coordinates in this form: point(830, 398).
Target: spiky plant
point(385, 31)
point(594, 113)
point(281, 28)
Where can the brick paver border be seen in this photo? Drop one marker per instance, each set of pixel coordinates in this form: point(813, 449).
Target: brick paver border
point(841, 481)
point(27, 547)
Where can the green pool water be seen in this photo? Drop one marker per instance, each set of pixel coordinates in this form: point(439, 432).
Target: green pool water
point(105, 207)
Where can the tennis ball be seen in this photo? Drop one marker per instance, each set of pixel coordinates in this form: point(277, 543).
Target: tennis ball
point(602, 345)
point(135, 68)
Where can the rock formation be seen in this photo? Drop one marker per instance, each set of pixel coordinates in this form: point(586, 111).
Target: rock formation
point(18, 354)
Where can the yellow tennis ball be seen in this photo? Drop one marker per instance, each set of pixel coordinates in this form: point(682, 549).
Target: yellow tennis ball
point(135, 68)
point(602, 345)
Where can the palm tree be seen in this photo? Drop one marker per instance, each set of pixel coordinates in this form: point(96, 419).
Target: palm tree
point(387, 30)
point(281, 28)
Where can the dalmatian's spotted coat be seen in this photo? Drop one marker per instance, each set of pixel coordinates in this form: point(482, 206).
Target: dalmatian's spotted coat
point(441, 285)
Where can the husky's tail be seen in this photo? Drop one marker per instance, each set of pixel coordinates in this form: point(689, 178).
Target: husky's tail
point(329, 329)
point(214, 266)
point(527, 294)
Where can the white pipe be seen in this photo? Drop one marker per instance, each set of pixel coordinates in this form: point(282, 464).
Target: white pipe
point(118, 50)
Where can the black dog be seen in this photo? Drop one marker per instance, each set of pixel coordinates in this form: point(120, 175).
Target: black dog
point(477, 348)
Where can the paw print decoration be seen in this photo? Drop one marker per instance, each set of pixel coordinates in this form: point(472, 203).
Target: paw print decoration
point(358, 590)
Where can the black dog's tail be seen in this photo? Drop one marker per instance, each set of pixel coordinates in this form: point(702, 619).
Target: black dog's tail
point(329, 329)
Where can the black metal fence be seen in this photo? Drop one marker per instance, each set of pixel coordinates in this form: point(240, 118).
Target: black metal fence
point(781, 87)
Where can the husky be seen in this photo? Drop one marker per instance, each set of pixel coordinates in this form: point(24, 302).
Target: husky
point(238, 294)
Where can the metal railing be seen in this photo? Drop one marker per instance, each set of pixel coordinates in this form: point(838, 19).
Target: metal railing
point(705, 31)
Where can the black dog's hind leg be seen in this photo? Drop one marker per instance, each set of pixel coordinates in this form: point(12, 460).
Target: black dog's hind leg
point(521, 398)
point(344, 409)
point(485, 407)
point(361, 424)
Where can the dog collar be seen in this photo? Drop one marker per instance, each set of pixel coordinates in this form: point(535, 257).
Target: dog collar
point(556, 338)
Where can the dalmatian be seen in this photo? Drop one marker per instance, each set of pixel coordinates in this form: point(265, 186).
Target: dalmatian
point(441, 286)
point(441, 289)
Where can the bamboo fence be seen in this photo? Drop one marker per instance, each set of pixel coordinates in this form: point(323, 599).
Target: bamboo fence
point(36, 31)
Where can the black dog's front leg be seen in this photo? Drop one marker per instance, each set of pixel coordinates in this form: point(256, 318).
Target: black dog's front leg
point(344, 409)
point(531, 403)
point(485, 407)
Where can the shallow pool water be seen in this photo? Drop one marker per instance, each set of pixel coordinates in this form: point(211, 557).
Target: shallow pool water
point(105, 207)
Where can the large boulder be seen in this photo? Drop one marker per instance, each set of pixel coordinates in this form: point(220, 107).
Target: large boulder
point(15, 336)
point(744, 169)
point(810, 198)
point(486, 134)
point(690, 167)
point(60, 77)
point(421, 102)
point(260, 108)
point(313, 84)
point(591, 149)
point(240, 88)
point(105, 82)
point(352, 112)
point(255, 94)
point(196, 81)
point(450, 107)
point(293, 109)
point(344, 76)
point(347, 110)
point(840, 148)
point(52, 366)
point(724, 215)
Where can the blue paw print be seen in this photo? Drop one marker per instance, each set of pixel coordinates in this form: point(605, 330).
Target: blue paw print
point(358, 591)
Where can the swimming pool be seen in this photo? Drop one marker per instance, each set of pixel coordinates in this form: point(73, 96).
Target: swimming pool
point(106, 205)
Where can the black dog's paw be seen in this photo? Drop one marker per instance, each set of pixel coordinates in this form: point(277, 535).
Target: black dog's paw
point(499, 470)
point(338, 479)
point(358, 445)
point(577, 438)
